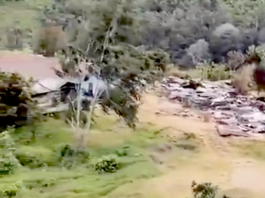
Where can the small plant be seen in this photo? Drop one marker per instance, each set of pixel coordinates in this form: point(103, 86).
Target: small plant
point(7, 166)
point(243, 79)
point(70, 157)
point(14, 39)
point(107, 164)
point(204, 190)
point(122, 152)
point(11, 190)
point(8, 161)
point(235, 60)
point(215, 72)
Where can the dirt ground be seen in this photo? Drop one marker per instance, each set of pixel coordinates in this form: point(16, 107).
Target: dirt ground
point(28, 65)
point(238, 175)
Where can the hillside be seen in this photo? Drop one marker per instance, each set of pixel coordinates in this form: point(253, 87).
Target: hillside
point(144, 142)
point(160, 159)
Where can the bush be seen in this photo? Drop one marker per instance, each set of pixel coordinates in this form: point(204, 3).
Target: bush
point(204, 190)
point(122, 152)
point(8, 162)
point(7, 165)
point(49, 40)
point(10, 191)
point(226, 29)
point(159, 58)
point(214, 72)
point(243, 79)
point(235, 60)
point(224, 38)
point(200, 51)
point(69, 157)
point(35, 157)
point(14, 39)
point(107, 164)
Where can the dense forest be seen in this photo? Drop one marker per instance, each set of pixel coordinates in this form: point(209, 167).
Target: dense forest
point(189, 31)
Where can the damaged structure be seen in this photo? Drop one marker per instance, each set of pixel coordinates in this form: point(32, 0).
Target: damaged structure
point(234, 114)
point(50, 92)
point(56, 94)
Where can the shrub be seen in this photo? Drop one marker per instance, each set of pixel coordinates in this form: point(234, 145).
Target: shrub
point(256, 55)
point(159, 59)
point(204, 190)
point(10, 191)
point(69, 157)
point(49, 40)
point(235, 59)
point(14, 39)
point(122, 152)
point(215, 72)
point(261, 36)
point(7, 165)
point(8, 162)
point(35, 157)
point(200, 51)
point(226, 29)
point(243, 79)
point(107, 164)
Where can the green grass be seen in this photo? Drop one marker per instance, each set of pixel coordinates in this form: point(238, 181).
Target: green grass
point(207, 72)
point(109, 136)
point(23, 14)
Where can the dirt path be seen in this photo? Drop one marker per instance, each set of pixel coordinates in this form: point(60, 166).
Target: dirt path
point(238, 175)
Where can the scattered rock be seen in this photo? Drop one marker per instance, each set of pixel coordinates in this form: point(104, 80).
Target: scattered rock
point(234, 114)
point(156, 159)
point(186, 146)
point(162, 148)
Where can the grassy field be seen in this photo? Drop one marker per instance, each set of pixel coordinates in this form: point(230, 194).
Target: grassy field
point(24, 13)
point(20, 14)
point(46, 176)
point(160, 159)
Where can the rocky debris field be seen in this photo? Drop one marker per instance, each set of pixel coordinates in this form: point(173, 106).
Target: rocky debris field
point(234, 114)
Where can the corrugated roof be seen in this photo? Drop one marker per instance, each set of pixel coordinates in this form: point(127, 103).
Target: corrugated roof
point(47, 85)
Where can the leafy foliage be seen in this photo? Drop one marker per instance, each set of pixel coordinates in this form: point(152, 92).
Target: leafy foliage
point(49, 40)
point(11, 190)
point(117, 60)
point(17, 106)
point(174, 26)
point(107, 164)
point(8, 161)
point(70, 156)
point(204, 190)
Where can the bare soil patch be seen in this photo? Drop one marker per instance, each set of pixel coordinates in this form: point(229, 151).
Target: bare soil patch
point(220, 161)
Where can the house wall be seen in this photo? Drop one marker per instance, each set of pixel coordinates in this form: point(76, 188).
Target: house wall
point(95, 82)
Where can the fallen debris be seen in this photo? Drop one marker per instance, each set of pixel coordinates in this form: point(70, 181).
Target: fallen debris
point(235, 114)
